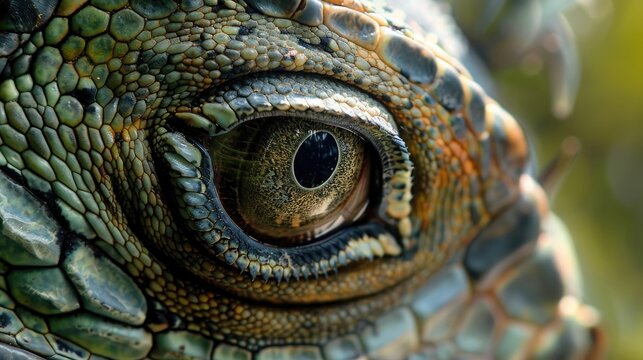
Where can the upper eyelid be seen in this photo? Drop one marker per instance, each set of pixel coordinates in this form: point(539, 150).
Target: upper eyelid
point(256, 97)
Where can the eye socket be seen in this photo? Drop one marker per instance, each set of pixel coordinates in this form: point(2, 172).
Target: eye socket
point(209, 154)
point(289, 181)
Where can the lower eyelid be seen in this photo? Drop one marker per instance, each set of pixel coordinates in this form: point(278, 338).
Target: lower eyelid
point(181, 165)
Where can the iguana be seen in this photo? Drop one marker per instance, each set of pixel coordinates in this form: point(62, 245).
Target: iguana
point(289, 179)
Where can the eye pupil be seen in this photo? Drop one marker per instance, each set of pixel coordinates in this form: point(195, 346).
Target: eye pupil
point(316, 159)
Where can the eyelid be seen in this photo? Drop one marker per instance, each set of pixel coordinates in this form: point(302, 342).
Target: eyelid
point(281, 95)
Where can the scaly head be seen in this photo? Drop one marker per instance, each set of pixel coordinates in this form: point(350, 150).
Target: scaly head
point(254, 173)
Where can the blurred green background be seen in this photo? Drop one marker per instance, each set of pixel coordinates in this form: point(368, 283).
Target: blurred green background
point(601, 200)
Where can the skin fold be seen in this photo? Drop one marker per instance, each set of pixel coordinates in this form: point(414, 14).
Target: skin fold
point(150, 207)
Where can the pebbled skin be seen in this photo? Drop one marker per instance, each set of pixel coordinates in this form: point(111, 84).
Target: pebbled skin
point(114, 244)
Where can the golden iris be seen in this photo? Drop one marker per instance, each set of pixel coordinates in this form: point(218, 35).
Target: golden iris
point(289, 181)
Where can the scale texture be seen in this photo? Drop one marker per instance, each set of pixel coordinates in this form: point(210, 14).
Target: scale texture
point(147, 209)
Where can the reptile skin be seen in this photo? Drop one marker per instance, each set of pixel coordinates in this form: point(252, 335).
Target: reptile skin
point(142, 190)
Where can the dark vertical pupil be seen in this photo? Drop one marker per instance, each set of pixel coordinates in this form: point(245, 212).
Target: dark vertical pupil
point(316, 159)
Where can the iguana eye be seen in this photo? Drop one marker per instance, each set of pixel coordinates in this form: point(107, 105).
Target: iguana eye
point(289, 178)
point(289, 181)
